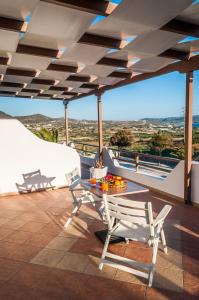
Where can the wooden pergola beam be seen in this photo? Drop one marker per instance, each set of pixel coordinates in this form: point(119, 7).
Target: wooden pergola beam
point(181, 27)
point(119, 74)
point(38, 51)
point(43, 81)
point(90, 86)
point(12, 84)
point(7, 93)
point(44, 95)
point(58, 88)
point(70, 94)
point(21, 72)
point(102, 41)
point(11, 24)
point(182, 66)
point(188, 137)
point(33, 91)
point(98, 7)
point(62, 68)
point(79, 78)
point(106, 61)
point(175, 54)
point(21, 96)
point(4, 61)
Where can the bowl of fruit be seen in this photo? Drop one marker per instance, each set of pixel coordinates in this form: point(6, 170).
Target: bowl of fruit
point(113, 182)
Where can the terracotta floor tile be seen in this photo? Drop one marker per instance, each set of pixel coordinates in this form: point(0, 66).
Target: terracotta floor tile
point(4, 232)
point(14, 224)
point(191, 262)
point(130, 278)
point(32, 226)
point(51, 229)
point(191, 284)
point(7, 249)
point(88, 246)
point(30, 281)
point(161, 294)
point(25, 252)
point(18, 237)
point(48, 257)
point(61, 243)
point(9, 268)
point(93, 268)
point(39, 239)
point(74, 262)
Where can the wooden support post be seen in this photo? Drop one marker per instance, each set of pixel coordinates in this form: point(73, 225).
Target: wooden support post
point(100, 133)
point(188, 137)
point(137, 162)
point(66, 121)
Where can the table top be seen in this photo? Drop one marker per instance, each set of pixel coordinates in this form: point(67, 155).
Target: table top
point(131, 188)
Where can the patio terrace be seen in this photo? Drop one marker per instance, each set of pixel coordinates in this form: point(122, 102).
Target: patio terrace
point(39, 260)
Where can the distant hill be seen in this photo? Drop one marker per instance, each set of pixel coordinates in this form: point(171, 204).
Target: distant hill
point(174, 120)
point(37, 118)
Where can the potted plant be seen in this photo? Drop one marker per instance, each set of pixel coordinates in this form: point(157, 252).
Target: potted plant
point(98, 171)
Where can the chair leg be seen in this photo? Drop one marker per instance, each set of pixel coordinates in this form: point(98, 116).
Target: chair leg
point(151, 275)
point(104, 250)
point(75, 210)
point(164, 241)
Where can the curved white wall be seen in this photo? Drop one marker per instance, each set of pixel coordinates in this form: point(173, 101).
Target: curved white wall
point(23, 152)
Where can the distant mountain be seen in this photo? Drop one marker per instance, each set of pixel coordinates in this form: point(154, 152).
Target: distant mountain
point(4, 115)
point(173, 120)
point(37, 118)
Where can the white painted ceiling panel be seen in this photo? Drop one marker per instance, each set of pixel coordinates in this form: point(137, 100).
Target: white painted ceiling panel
point(81, 90)
point(153, 43)
point(68, 83)
point(151, 64)
point(55, 75)
point(27, 61)
point(3, 69)
point(191, 14)
point(107, 80)
point(86, 54)
point(9, 89)
point(37, 86)
point(25, 94)
point(17, 79)
point(8, 40)
point(68, 23)
point(133, 17)
point(97, 70)
point(17, 9)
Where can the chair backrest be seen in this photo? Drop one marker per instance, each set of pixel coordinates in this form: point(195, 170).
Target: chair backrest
point(127, 210)
point(73, 178)
point(31, 174)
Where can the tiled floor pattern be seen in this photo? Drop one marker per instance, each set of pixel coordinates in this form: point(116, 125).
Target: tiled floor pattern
point(69, 251)
point(40, 260)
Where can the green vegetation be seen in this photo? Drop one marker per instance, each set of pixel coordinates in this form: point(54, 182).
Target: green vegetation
point(122, 139)
point(160, 142)
point(47, 135)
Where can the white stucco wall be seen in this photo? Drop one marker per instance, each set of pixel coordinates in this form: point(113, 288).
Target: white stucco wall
point(22, 152)
point(195, 182)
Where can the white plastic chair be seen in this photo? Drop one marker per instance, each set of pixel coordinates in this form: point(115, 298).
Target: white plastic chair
point(79, 194)
point(132, 220)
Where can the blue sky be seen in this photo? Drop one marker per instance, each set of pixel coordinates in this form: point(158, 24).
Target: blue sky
point(158, 97)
